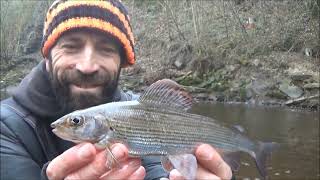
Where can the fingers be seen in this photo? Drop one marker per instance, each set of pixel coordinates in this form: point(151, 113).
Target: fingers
point(120, 153)
point(127, 169)
point(84, 162)
point(92, 170)
point(175, 175)
point(210, 159)
point(203, 173)
point(72, 159)
point(98, 166)
point(140, 173)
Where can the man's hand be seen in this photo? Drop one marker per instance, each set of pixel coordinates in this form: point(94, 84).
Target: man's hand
point(210, 165)
point(84, 161)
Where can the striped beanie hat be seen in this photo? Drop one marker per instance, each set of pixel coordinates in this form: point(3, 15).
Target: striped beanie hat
point(108, 16)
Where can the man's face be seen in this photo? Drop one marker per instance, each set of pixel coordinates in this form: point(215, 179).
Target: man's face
point(84, 69)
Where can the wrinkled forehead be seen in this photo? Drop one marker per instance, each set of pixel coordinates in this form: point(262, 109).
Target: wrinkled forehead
point(95, 35)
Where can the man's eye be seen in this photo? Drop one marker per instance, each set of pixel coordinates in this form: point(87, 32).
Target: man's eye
point(108, 50)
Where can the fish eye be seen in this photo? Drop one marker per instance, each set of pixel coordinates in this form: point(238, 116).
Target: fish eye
point(76, 121)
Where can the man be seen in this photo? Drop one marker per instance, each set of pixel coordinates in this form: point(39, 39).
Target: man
point(85, 45)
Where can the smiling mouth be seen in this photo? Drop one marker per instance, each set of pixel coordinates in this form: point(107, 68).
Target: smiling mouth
point(82, 87)
point(86, 86)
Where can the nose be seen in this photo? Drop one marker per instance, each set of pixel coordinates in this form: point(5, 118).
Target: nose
point(86, 64)
point(87, 67)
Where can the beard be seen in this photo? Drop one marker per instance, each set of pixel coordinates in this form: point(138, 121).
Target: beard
point(70, 101)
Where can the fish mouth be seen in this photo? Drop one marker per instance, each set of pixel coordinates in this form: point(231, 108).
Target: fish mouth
point(62, 133)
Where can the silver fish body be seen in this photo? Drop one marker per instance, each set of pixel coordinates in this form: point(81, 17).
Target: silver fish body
point(154, 131)
point(157, 124)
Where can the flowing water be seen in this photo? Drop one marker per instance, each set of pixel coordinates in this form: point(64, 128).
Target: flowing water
point(297, 132)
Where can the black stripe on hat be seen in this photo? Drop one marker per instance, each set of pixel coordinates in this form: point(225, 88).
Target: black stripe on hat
point(86, 11)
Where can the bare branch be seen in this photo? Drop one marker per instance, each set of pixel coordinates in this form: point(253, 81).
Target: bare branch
point(174, 18)
point(225, 18)
point(243, 30)
point(194, 22)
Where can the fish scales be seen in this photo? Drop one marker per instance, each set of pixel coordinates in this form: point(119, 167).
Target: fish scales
point(165, 115)
point(144, 123)
point(162, 133)
point(149, 127)
point(165, 136)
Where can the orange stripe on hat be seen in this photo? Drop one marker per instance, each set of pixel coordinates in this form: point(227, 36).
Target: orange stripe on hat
point(102, 4)
point(88, 22)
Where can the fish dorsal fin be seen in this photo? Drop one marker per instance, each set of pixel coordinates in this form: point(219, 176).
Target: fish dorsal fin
point(167, 94)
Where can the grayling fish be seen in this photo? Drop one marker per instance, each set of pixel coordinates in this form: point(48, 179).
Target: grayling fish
point(158, 123)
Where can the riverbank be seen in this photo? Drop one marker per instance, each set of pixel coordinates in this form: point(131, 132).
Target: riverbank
point(252, 52)
point(295, 83)
point(294, 86)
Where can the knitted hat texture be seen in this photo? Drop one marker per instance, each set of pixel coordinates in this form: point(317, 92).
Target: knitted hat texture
point(108, 16)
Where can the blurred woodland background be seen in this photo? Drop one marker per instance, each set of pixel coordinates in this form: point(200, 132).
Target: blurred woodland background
point(253, 51)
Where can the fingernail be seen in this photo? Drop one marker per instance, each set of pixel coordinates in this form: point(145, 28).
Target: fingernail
point(134, 163)
point(205, 156)
point(164, 178)
point(139, 172)
point(118, 153)
point(175, 174)
point(85, 151)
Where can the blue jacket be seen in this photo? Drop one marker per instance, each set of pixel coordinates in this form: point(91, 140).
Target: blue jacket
point(27, 142)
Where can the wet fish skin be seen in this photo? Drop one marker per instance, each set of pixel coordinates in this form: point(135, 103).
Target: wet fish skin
point(157, 124)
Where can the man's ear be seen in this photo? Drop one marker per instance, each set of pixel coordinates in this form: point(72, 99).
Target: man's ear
point(47, 64)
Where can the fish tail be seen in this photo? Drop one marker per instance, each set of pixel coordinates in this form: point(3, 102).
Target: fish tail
point(263, 151)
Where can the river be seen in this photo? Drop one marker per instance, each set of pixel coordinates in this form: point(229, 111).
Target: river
point(296, 131)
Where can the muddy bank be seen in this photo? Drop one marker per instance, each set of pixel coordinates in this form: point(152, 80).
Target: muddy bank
point(281, 79)
point(257, 82)
point(254, 52)
point(251, 52)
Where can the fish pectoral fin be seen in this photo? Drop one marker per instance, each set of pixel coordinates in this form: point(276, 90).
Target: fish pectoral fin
point(112, 161)
point(186, 164)
point(104, 143)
